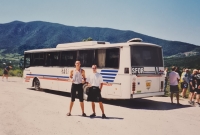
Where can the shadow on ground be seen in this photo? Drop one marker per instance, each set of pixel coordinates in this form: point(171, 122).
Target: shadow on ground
point(99, 117)
point(142, 103)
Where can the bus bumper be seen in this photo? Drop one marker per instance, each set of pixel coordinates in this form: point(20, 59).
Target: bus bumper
point(150, 94)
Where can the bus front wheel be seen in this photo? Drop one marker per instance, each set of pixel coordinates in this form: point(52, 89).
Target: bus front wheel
point(37, 84)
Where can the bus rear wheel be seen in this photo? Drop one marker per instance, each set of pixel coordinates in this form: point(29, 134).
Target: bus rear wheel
point(37, 84)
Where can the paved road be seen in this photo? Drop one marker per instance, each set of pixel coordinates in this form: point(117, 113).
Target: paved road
point(28, 112)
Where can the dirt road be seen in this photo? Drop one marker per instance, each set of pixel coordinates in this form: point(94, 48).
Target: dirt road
point(28, 112)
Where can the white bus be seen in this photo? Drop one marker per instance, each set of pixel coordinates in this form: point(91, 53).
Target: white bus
point(130, 70)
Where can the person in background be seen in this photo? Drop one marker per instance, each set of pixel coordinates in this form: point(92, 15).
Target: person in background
point(193, 86)
point(166, 73)
point(184, 82)
point(198, 89)
point(178, 71)
point(77, 76)
point(5, 72)
point(173, 81)
point(95, 82)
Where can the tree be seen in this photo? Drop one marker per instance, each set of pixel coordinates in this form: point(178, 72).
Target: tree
point(88, 39)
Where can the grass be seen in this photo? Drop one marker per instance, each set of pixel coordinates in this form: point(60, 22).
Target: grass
point(15, 72)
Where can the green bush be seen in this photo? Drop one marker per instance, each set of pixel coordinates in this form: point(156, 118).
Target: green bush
point(1, 72)
point(15, 72)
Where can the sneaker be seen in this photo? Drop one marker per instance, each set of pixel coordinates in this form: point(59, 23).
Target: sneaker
point(190, 102)
point(103, 116)
point(84, 115)
point(93, 115)
point(193, 102)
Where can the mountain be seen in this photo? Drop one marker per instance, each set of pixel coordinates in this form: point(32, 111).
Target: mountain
point(20, 36)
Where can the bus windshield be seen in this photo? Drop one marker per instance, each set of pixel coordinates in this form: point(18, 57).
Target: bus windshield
point(148, 56)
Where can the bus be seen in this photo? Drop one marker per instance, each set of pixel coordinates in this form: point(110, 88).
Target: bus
point(133, 69)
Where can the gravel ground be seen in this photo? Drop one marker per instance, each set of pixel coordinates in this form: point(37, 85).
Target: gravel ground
point(24, 111)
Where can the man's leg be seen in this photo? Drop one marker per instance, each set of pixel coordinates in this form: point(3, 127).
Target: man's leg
point(73, 95)
point(80, 95)
point(183, 92)
point(82, 106)
point(177, 97)
point(3, 76)
point(101, 107)
point(198, 98)
point(93, 107)
point(172, 97)
point(70, 107)
point(7, 77)
point(194, 96)
point(191, 97)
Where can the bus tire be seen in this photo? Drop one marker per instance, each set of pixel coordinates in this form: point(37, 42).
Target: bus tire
point(37, 84)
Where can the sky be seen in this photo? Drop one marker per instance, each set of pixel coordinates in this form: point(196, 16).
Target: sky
point(175, 20)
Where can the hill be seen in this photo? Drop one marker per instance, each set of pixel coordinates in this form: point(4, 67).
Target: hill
point(19, 36)
point(16, 37)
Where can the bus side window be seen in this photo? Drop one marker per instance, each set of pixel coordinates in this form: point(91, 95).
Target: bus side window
point(86, 57)
point(52, 59)
point(27, 61)
point(101, 57)
point(68, 58)
point(112, 58)
point(38, 59)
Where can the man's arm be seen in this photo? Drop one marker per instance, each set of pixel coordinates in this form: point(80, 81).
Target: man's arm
point(101, 82)
point(178, 77)
point(6, 69)
point(101, 85)
point(83, 75)
point(191, 79)
point(71, 75)
point(191, 85)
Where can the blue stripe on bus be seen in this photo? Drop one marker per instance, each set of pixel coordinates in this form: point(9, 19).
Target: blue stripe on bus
point(108, 74)
point(47, 75)
point(108, 77)
point(108, 80)
point(115, 71)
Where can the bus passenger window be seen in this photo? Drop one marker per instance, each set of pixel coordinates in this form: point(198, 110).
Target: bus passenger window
point(86, 57)
point(112, 58)
point(27, 61)
point(68, 58)
point(52, 59)
point(38, 59)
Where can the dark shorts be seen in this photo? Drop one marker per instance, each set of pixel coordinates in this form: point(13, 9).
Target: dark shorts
point(94, 94)
point(184, 85)
point(192, 91)
point(5, 72)
point(174, 89)
point(77, 88)
point(198, 91)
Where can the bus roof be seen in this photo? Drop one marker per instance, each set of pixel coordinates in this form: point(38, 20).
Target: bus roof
point(88, 45)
